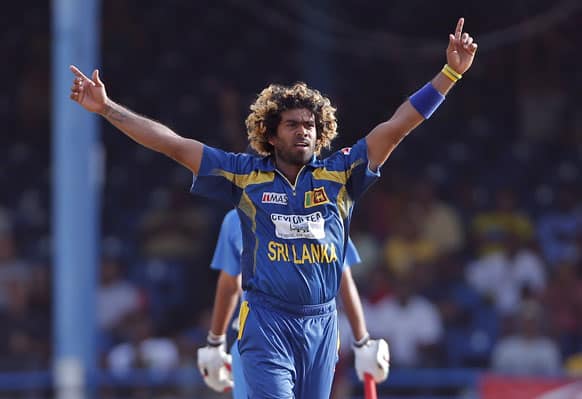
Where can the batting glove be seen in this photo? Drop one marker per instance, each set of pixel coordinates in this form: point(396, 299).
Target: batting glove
point(372, 357)
point(215, 365)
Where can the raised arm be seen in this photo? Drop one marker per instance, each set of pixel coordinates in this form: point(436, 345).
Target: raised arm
point(91, 95)
point(384, 138)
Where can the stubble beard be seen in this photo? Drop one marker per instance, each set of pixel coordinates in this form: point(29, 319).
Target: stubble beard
point(294, 157)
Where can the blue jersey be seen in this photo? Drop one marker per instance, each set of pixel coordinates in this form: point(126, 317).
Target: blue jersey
point(229, 247)
point(294, 235)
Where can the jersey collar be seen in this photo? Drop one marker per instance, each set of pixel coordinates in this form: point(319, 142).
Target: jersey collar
point(267, 165)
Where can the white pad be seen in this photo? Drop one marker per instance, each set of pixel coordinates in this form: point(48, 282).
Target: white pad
point(373, 358)
point(215, 365)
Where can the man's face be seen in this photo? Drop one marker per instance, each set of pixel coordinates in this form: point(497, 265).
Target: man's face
point(296, 137)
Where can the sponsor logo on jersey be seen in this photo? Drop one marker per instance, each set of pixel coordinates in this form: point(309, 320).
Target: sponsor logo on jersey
point(274, 198)
point(299, 226)
point(346, 150)
point(315, 197)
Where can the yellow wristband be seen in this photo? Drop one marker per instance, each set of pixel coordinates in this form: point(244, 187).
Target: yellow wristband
point(451, 73)
point(448, 75)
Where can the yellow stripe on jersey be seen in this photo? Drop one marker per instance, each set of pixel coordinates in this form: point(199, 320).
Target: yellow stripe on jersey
point(243, 180)
point(340, 176)
point(243, 313)
point(246, 205)
point(337, 176)
point(248, 208)
point(344, 203)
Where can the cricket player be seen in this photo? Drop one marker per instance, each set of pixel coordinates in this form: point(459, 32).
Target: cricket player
point(222, 372)
point(295, 212)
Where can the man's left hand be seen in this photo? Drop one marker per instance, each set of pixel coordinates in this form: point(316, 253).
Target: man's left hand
point(373, 358)
point(461, 50)
point(215, 365)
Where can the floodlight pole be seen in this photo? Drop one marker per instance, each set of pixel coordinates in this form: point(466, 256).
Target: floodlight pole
point(76, 186)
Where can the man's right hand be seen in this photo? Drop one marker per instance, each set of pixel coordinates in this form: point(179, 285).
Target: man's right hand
point(215, 365)
point(89, 93)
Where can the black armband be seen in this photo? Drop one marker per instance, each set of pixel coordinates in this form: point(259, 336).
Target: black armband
point(215, 340)
point(363, 341)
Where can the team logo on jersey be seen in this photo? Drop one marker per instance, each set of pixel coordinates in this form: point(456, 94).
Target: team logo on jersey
point(346, 150)
point(302, 253)
point(274, 198)
point(299, 226)
point(315, 197)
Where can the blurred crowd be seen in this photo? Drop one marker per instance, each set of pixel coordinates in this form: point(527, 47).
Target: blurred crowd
point(471, 241)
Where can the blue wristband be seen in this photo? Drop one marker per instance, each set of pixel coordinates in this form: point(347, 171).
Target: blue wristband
point(426, 100)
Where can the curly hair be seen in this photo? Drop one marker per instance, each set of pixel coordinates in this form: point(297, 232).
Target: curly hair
point(266, 112)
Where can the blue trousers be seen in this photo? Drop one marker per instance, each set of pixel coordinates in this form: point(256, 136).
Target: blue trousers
point(287, 351)
point(240, 388)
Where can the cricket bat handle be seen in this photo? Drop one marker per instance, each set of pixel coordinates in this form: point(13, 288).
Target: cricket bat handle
point(369, 387)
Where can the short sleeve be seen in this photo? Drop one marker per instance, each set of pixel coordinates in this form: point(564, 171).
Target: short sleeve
point(354, 162)
point(219, 174)
point(352, 257)
point(227, 255)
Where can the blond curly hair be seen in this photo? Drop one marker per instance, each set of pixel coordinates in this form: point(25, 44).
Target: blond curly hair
point(266, 112)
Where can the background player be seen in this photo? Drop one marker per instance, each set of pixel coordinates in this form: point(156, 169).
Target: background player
point(213, 361)
point(293, 251)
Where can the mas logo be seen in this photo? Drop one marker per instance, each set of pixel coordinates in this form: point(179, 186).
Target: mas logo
point(274, 198)
point(315, 197)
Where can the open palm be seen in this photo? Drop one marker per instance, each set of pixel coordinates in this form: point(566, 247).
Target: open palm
point(461, 50)
point(89, 93)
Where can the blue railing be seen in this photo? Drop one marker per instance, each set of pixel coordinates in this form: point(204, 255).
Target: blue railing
point(432, 378)
point(189, 378)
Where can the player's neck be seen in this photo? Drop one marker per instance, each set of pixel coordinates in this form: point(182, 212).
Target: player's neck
point(289, 170)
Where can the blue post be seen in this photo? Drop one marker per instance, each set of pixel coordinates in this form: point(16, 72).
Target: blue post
point(317, 69)
point(76, 182)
